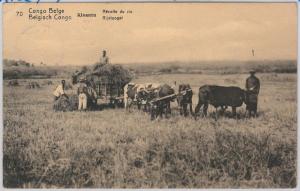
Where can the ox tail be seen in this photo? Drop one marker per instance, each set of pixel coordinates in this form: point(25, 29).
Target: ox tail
point(125, 96)
point(198, 107)
point(191, 109)
point(201, 96)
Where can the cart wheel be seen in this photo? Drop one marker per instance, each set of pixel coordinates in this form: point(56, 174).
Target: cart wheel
point(116, 104)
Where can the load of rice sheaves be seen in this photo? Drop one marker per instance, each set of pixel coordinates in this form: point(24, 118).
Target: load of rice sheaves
point(66, 104)
point(113, 73)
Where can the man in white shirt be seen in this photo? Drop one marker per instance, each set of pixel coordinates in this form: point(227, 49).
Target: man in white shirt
point(82, 95)
point(60, 90)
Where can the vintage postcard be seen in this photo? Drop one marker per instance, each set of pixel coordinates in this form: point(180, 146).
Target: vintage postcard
point(150, 95)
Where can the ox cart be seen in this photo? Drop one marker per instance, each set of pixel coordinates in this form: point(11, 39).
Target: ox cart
point(108, 92)
point(105, 84)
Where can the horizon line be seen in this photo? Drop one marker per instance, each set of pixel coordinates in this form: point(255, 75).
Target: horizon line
point(161, 62)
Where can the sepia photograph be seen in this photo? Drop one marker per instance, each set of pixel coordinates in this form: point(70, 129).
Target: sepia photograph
point(150, 95)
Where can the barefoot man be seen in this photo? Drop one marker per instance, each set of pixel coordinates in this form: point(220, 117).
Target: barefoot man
point(252, 87)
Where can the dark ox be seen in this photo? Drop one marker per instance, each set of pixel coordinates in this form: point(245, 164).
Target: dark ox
point(220, 96)
point(161, 103)
point(184, 99)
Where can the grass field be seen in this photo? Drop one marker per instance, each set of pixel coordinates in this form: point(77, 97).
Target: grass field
point(112, 148)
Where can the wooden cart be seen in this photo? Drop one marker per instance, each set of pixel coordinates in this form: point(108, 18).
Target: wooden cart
point(108, 92)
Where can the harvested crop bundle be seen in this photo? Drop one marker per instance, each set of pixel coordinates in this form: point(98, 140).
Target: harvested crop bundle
point(47, 82)
point(13, 83)
point(32, 85)
point(62, 104)
point(66, 104)
point(73, 100)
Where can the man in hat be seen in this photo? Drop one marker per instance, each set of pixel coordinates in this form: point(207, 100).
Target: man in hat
point(82, 94)
point(60, 90)
point(252, 87)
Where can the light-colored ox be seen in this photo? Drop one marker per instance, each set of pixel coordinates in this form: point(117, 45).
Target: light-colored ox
point(131, 91)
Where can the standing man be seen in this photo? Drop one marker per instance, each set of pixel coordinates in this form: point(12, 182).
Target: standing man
point(252, 87)
point(60, 90)
point(82, 95)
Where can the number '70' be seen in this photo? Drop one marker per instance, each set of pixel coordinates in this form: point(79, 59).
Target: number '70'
point(19, 13)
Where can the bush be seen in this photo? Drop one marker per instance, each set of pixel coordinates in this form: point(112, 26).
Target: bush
point(21, 69)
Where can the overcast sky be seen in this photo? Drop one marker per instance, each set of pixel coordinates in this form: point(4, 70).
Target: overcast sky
point(153, 33)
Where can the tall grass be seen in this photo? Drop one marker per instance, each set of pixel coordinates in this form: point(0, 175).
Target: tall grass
point(118, 149)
